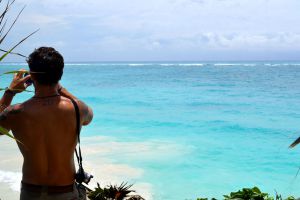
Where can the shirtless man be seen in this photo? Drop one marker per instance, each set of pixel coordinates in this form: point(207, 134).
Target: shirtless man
point(46, 127)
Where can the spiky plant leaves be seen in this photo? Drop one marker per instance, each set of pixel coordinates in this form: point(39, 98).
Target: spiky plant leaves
point(18, 71)
point(112, 192)
point(290, 198)
point(11, 26)
point(97, 194)
point(13, 53)
point(295, 143)
point(135, 197)
point(4, 55)
point(2, 28)
point(2, 38)
point(7, 133)
point(15, 72)
point(248, 194)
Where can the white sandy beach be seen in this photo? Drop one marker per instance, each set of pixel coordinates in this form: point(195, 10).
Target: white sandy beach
point(104, 170)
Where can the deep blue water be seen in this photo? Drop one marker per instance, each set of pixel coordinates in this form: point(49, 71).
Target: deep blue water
point(207, 128)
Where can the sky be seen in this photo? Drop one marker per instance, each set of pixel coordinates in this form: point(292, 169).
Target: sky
point(160, 30)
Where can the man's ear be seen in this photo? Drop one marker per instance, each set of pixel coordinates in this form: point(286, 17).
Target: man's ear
point(32, 76)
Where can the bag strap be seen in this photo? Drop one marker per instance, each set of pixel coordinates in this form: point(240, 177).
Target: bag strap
point(78, 154)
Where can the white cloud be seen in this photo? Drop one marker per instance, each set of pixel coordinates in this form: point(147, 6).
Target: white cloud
point(130, 26)
point(43, 20)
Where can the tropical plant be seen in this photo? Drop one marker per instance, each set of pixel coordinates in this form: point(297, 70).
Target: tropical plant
point(250, 194)
point(111, 192)
point(3, 35)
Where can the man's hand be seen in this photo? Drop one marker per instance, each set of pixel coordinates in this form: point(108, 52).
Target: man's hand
point(86, 111)
point(18, 83)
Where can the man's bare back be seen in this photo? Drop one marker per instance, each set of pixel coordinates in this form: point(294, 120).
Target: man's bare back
point(44, 125)
point(46, 128)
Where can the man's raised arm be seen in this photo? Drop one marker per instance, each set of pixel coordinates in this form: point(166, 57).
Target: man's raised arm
point(85, 110)
point(17, 85)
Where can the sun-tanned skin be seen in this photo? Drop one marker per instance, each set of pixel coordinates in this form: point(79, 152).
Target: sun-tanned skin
point(46, 128)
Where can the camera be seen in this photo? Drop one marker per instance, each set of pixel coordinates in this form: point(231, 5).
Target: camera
point(29, 81)
point(82, 177)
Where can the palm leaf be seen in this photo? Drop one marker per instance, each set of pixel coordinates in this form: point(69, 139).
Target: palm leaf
point(17, 71)
point(2, 89)
point(6, 132)
point(18, 54)
point(14, 72)
point(4, 55)
point(1, 40)
point(4, 12)
point(3, 26)
point(295, 143)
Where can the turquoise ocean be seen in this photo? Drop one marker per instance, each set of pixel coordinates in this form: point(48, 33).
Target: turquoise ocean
point(181, 130)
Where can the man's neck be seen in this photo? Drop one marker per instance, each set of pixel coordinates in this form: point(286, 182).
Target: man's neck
point(45, 90)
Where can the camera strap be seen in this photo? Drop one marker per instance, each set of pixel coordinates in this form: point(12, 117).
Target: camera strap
point(78, 153)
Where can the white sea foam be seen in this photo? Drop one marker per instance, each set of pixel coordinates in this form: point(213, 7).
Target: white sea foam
point(102, 153)
point(13, 179)
point(281, 64)
point(227, 64)
point(138, 64)
point(78, 64)
point(107, 146)
point(190, 64)
point(102, 158)
point(250, 65)
point(291, 64)
point(167, 64)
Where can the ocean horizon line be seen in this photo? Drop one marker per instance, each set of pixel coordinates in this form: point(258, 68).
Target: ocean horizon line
point(167, 61)
point(173, 64)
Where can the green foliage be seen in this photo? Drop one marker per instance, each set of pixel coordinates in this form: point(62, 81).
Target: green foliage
point(250, 194)
point(205, 199)
point(6, 132)
point(110, 192)
point(279, 197)
point(3, 36)
point(3, 23)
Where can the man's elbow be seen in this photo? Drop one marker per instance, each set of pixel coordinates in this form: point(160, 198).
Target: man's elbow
point(89, 117)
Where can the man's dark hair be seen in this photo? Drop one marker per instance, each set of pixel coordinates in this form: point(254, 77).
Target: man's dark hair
point(48, 63)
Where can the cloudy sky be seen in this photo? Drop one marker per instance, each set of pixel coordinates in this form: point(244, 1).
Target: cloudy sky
point(156, 30)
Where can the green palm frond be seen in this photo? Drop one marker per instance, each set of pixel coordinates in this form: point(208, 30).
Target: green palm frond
point(110, 192)
point(8, 52)
point(14, 72)
point(2, 89)
point(14, 53)
point(295, 143)
point(7, 133)
point(3, 35)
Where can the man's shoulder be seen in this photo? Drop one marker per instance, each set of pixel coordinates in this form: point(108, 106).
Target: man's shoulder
point(86, 112)
point(14, 109)
point(80, 103)
point(11, 112)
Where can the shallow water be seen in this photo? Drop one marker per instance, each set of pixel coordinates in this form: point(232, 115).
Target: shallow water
point(187, 130)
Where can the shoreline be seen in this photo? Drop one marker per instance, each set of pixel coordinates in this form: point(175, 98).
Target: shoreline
point(104, 171)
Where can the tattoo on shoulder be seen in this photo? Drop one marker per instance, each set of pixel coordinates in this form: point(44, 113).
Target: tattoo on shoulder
point(86, 112)
point(11, 110)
